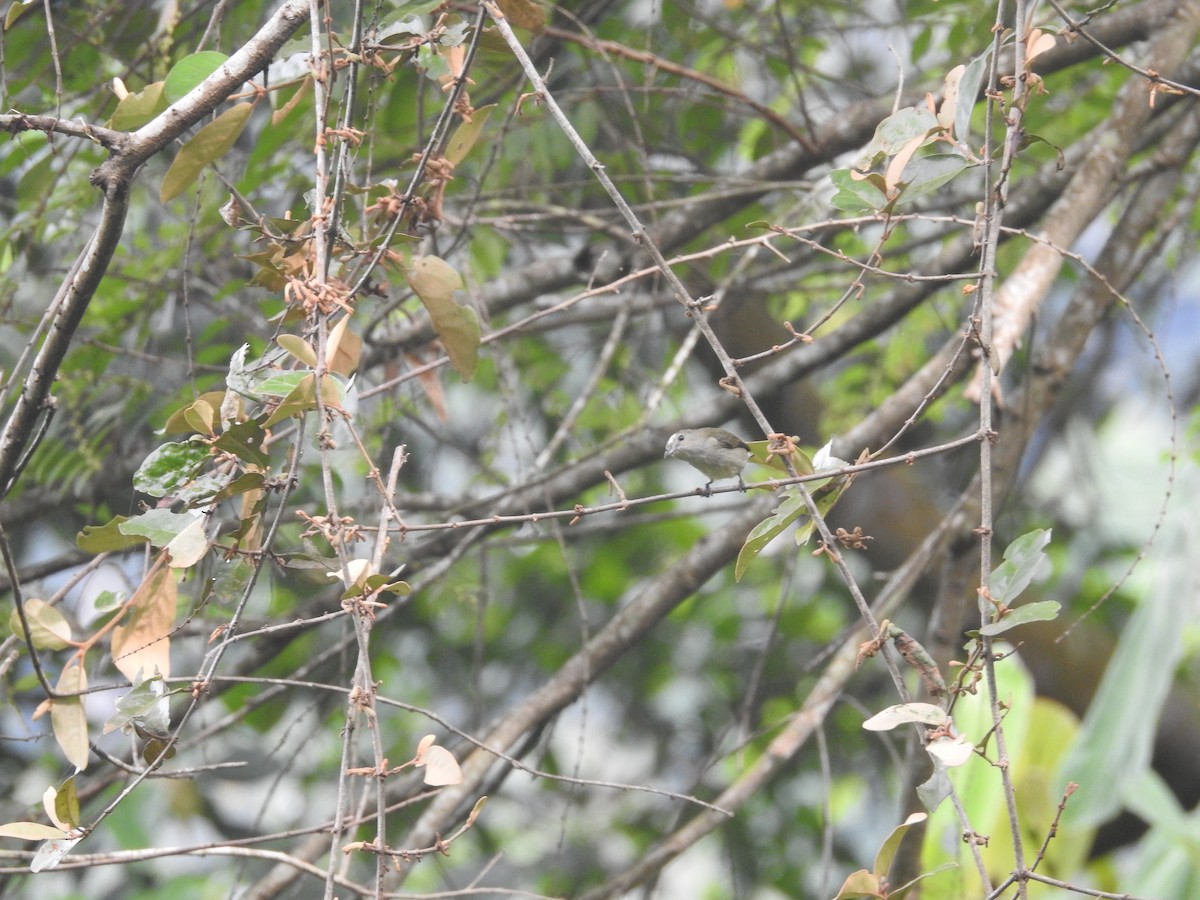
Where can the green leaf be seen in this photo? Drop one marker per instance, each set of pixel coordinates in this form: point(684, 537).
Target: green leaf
point(894, 132)
point(143, 703)
point(1023, 562)
point(66, 804)
point(300, 400)
point(136, 110)
point(800, 459)
point(902, 891)
point(245, 441)
point(434, 281)
point(169, 467)
point(855, 195)
point(887, 852)
point(968, 91)
point(769, 528)
point(303, 399)
point(191, 71)
point(1042, 611)
point(209, 144)
point(158, 526)
point(825, 493)
point(928, 173)
point(935, 788)
point(282, 384)
point(107, 601)
point(379, 582)
point(1122, 721)
point(107, 537)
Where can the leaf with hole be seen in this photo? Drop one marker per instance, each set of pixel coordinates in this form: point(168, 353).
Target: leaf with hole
point(141, 108)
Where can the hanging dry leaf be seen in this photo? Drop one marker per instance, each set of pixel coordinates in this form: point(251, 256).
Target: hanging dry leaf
point(141, 643)
point(441, 767)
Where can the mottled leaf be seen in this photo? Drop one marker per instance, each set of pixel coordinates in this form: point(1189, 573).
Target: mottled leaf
point(168, 468)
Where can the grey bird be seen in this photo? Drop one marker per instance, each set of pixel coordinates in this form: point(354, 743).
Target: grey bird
point(715, 452)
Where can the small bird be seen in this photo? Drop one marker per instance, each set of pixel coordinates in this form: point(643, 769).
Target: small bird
point(715, 452)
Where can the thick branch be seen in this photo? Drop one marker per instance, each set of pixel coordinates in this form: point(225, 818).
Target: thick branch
point(254, 56)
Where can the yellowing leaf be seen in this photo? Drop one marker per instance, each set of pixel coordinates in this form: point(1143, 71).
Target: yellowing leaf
point(343, 348)
point(17, 10)
point(949, 105)
point(189, 546)
point(180, 422)
point(298, 347)
point(67, 717)
point(302, 398)
point(141, 642)
point(210, 143)
point(29, 831)
point(65, 813)
point(951, 751)
point(202, 417)
point(282, 112)
point(48, 627)
point(467, 134)
point(434, 281)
